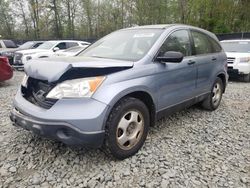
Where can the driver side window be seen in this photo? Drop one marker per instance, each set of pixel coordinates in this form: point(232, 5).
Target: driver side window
point(178, 42)
point(62, 46)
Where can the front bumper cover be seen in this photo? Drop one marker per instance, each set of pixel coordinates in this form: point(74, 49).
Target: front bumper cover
point(61, 131)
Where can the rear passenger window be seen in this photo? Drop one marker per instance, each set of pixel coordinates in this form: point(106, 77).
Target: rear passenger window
point(71, 44)
point(203, 44)
point(178, 42)
point(216, 46)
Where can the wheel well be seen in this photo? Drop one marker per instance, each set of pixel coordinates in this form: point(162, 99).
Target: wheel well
point(148, 101)
point(223, 79)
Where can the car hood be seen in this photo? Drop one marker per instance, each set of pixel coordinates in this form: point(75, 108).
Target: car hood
point(31, 51)
point(52, 69)
point(237, 54)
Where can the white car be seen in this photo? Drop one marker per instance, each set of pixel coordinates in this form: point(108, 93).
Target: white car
point(238, 53)
point(45, 50)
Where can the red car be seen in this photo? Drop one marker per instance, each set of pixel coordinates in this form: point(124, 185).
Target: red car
point(6, 71)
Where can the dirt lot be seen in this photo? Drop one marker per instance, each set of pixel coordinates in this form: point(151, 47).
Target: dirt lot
point(192, 148)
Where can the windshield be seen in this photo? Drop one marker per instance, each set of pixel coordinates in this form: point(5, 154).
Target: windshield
point(9, 44)
point(131, 45)
point(26, 45)
point(239, 46)
point(47, 45)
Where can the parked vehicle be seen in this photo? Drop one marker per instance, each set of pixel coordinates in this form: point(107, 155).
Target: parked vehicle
point(7, 44)
point(27, 45)
point(68, 52)
point(238, 53)
point(44, 50)
point(115, 89)
point(6, 71)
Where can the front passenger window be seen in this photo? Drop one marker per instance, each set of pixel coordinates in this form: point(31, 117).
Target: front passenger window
point(178, 42)
point(61, 46)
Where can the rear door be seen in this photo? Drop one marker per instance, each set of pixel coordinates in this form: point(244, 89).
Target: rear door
point(176, 81)
point(206, 52)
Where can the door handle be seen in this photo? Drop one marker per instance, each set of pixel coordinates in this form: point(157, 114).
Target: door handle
point(191, 62)
point(214, 59)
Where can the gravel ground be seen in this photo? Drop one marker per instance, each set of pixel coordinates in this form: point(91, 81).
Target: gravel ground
point(192, 148)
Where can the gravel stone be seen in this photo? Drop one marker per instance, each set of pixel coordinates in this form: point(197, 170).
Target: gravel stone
point(12, 169)
point(191, 148)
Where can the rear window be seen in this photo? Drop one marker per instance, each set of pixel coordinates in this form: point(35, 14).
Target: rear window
point(9, 44)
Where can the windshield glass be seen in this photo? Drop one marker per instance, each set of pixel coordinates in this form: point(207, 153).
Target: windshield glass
point(239, 46)
point(26, 45)
point(131, 45)
point(47, 45)
point(9, 44)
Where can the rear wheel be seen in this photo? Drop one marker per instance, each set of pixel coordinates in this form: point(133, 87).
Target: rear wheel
point(212, 102)
point(127, 128)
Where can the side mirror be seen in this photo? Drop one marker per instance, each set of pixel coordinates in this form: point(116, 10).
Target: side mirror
point(171, 57)
point(56, 49)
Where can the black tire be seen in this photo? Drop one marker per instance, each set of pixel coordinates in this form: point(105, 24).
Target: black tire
point(210, 103)
point(123, 112)
point(246, 77)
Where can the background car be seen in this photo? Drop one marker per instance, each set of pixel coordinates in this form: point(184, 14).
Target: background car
point(45, 50)
point(6, 71)
point(27, 45)
point(238, 55)
point(7, 44)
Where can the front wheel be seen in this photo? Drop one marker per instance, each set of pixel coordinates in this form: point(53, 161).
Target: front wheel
point(127, 128)
point(212, 102)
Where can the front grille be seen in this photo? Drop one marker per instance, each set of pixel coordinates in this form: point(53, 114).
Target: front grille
point(36, 92)
point(230, 60)
point(17, 59)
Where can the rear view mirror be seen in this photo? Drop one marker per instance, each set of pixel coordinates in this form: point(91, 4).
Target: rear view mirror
point(171, 57)
point(56, 49)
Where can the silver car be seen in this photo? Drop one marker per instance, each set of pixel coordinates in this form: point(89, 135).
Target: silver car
point(112, 92)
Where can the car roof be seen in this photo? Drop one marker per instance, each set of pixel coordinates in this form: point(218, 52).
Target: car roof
point(64, 41)
point(237, 40)
point(162, 26)
point(167, 26)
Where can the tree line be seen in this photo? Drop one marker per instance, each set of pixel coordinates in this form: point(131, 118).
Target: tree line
point(45, 19)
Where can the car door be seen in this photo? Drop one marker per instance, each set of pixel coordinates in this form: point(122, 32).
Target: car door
point(206, 59)
point(176, 81)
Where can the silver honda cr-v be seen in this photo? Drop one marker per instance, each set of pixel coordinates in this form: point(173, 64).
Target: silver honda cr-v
point(112, 92)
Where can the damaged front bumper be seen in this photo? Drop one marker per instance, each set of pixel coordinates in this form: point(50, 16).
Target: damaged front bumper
point(73, 122)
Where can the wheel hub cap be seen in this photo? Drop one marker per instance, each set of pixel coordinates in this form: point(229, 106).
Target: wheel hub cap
point(130, 129)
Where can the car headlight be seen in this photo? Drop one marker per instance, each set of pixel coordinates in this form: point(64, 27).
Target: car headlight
point(77, 88)
point(245, 60)
point(24, 82)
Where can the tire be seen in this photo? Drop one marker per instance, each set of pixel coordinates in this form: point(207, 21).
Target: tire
point(127, 128)
point(246, 77)
point(212, 102)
